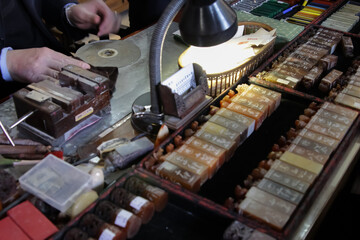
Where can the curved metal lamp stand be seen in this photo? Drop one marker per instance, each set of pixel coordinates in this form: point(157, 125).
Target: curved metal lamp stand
point(156, 47)
point(214, 21)
point(147, 119)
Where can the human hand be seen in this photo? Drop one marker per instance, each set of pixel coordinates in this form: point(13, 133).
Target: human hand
point(94, 14)
point(35, 64)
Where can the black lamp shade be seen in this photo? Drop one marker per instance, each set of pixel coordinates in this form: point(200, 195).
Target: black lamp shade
point(207, 23)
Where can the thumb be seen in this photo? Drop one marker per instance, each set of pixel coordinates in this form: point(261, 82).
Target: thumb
point(95, 19)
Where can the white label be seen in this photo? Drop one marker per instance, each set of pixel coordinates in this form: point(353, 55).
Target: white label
point(83, 114)
point(107, 235)
point(357, 105)
point(282, 81)
point(168, 166)
point(122, 218)
point(181, 81)
point(292, 79)
point(95, 160)
point(138, 202)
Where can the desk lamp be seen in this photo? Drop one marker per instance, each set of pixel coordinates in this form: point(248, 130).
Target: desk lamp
point(203, 23)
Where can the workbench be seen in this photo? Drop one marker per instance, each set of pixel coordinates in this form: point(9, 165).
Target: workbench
point(133, 81)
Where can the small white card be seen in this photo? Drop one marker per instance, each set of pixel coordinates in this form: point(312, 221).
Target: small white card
point(181, 81)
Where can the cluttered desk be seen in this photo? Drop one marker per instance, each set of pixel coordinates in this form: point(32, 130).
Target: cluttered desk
point(196, 173)
point(132, 81)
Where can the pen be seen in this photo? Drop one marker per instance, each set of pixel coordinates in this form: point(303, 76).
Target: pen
point(290, 8)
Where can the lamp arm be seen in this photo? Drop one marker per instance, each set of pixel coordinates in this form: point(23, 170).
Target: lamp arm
point(156, 47)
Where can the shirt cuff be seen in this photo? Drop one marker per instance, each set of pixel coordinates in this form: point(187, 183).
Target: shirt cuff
point(66, 9)
point(3, 66)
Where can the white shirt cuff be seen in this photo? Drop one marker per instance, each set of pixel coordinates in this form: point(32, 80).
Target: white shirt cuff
point(3, 66)
point(67, 8)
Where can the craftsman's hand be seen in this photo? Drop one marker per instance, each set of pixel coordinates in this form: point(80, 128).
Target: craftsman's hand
point(35, 64)
point(95, 14)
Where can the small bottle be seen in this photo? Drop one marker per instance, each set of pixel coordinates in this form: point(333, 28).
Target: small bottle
point(76, 234)
point(122, 218)
point(139, 206)
point(99, 229)
point(154, 194)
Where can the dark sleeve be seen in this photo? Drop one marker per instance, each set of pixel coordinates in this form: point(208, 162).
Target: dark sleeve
point(143, 13)
point(54, 13)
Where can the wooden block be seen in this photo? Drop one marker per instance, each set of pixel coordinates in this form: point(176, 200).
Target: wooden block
point(327, 127)
point(329, 61)
point(207, 147)
point(317, 52)
point(282, 77)
point(310, 149)
point(263, 213)
point(249, 112)
point(270, 200)
point(336, 117)
point(189, 165)
point(254, 96)
point(287, 180)
point(309, 154)
point(9, 230)
point(32, 221)
point(197, 155)
point(82, 84)
point(100, 80)
point(312, 77)
point(355, 81)
point(301, 162)
point(330, 80)
point(239, 118)
point(294, 171)
point(349, 113)
point(67, 98)
point(251, 103)
point(352, 90)
point(302, 58)
point(320, 138)
point(275, 96)
point(219, 130)
point(280, 191)
point(238, 128)
point(296, 65)
point(179, 175)
point(46, 109)
point(220, 141)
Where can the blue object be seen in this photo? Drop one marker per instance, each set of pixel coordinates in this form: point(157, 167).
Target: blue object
point(290, 8)
point(3, 66)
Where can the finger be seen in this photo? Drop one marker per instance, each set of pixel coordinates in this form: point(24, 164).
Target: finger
point(78, 63)
point(65, 60)
point(88, 20)
point(91, 21)
point(103, 29)
point(96, 19)
point(50, 73)
point(107, 23)
point(41, 77)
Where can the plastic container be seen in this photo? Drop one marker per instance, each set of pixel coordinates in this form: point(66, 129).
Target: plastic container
point(56, 182)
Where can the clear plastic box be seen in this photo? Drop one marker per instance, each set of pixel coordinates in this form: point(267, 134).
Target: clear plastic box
point(56, 182)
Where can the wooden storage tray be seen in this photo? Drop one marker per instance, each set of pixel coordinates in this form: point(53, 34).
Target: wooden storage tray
point(181, 218)
point(247, 156)
point(343, 64)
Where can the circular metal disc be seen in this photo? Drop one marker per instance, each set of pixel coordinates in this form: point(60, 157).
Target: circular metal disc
point(109, 53)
